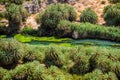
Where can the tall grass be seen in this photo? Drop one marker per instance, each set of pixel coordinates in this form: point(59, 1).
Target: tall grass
point(87, 30)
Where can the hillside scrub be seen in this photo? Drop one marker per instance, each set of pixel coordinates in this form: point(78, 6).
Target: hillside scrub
point(87, 30)
point(112, 15)
point(88, 15)
point(53, 15)
point(15, 14)
point(83, 62)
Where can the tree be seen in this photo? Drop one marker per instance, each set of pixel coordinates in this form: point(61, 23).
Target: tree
point(15, 14)
point(53, 15)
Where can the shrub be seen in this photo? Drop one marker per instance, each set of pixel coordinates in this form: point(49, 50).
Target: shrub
point(114, 1)
point(31, 54)
point(88, 15)
point(11, 51)
point(103, 63)
point(38, 73)
point(20, 72)
point(112, 15)
point(53, 14)
point(28, 31)
point(18, 2)
point(115, 67)
point(7, 76)
point(63, 29)
point(87, 30)
point(98, 75)
point(81, 65)
point(2, 72)
point(54, 57)
point(15, 15)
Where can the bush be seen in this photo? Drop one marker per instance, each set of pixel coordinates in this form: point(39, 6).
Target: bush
point(15, 14)
point(98, 75)
point(63, 29)
point(115, 67)
point(81, 65)
point(114, 1)
point(87, 30)
point(11, 51)
point(28, 31)
point(53, 15)
point(17, 1)
point(54, 57)
point(2, 72)
point(112, 15)
point(31, 54)
point(103, 63)
point(88, 15)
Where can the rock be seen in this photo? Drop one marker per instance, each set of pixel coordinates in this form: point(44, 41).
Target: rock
point(75, 35)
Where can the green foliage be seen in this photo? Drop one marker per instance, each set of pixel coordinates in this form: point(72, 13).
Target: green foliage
point(2, 36)
point(53, 15)
point(103, 63)
point(2, 72)
point(31, 54)
point(81, 65)
point(54, 57)
point(18, 2)
point(15, 14)
point(28, 31)
point(78, 59)
point(98, 75)
point(11, 51)
point(39, 18)
point(22, 38)
point(64, 29)
point(87, 30)
point(114, 1)
point(88, 15)
point(115, 67)
point(112, 15)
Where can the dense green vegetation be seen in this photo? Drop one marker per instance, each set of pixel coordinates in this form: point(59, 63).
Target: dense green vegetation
point(112, 14)
point(22, 61)
point(15, 14)
point(88, 15)
point(57, 62)
point(114, 1)
point(53, 15)
point(87, 30)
